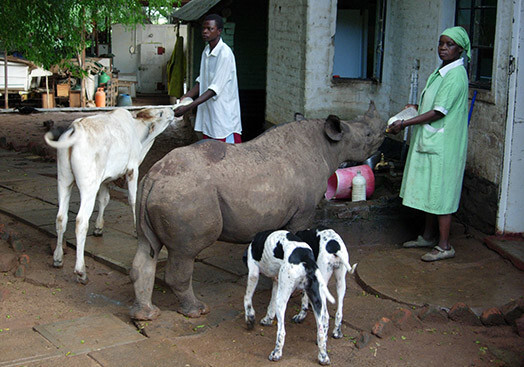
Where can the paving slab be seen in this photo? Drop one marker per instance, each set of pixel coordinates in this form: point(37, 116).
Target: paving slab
point(90, 333)
point(19, 347)
point(72, 360)
point(226, 256)
point(476, 276)
point(511, 248)
point(156, 353)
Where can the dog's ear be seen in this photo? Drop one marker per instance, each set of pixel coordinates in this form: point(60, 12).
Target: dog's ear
point(333, 128)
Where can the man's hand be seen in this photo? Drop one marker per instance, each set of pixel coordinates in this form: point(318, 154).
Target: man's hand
point(180, 111)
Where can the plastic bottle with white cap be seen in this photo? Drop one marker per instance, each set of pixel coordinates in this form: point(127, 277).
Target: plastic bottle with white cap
point(358, 187)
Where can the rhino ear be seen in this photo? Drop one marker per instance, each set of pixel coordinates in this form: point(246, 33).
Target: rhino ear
point(333, 129)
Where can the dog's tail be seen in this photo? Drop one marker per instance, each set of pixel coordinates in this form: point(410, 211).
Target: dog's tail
point(323, 287)
point(68, 138)
point(351, 269)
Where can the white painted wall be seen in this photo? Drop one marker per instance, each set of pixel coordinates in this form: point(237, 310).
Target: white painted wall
point(128, 43)
point(510, 218)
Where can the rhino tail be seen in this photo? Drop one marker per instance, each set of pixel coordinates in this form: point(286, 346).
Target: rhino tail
point(143, 221)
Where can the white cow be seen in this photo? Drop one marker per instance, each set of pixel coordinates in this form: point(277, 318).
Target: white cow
point(94, 151)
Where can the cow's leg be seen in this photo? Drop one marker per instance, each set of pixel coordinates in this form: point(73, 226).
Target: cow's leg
point(103, 200)
point(299, 317)
point(252, 281)
point(340, 277)
point(132, 184)
point(270, 314)
point(143, 277)
point(65, 186)
point(87, 203)
point(282, 296)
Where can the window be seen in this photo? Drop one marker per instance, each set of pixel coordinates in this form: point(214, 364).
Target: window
point(478, 19)
point(359, 39)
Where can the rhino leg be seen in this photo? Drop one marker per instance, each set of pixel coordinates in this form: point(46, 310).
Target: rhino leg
point(143, 277)
point(178, 275)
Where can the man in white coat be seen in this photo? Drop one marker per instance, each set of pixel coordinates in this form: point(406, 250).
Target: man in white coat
point(218, 114)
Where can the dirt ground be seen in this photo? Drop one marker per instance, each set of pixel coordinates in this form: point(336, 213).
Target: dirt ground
point(49, 295)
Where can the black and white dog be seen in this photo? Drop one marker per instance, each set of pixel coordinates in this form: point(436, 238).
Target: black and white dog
point(290, 262)
point(331, 257)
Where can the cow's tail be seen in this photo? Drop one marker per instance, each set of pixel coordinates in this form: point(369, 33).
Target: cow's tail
point(68, 138)
point(144, 228)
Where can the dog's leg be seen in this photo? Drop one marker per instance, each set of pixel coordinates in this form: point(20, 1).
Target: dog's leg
point(299, 317)
point(252, 281)
point(270, 314)
point(340, 277)
point(282, 296)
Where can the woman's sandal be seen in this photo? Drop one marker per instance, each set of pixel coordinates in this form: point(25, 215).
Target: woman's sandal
point(420, 242)
point(439, 254)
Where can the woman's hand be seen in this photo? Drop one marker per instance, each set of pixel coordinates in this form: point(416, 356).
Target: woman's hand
point(395, 127)
point(415, 106)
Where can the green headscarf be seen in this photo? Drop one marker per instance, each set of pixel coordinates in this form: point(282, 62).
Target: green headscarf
point(460, 37)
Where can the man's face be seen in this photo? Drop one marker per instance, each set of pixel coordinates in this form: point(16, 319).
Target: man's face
point(210, 31)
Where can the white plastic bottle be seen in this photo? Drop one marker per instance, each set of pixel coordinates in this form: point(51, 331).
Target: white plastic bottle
point(358, 187)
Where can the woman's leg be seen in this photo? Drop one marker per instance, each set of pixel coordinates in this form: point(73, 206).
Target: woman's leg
point(431, 227)
point(444, 225)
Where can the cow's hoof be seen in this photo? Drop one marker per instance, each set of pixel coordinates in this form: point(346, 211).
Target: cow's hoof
point(81, 278)
point(194, 310)
point(98, 232)
point(144, 313)
point(58, 264)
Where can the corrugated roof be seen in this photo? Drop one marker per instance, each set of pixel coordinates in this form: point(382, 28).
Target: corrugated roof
point(194, 9)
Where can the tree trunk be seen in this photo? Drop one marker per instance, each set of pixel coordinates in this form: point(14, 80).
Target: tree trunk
point(5, 81)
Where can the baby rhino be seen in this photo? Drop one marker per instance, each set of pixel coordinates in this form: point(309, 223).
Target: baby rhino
point(291, 264)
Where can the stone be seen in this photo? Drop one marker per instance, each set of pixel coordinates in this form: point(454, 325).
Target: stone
point(17, 245)
point(383, 328)
point(405, 320)
point(492, 317)
point(8, 261)
point(519, 323)
point(460, 312)
point(24, 259)
point(513, 310)
point(21, 271)
point(363, 339)
point(433, 313)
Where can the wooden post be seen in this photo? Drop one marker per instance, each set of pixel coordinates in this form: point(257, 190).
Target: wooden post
point(5, 81)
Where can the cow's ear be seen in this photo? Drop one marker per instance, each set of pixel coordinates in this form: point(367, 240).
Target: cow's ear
point(333, 129)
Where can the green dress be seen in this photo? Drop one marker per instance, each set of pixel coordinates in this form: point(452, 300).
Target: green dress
point(434, 170)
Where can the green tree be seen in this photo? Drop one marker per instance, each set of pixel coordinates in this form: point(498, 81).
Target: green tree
point(47, 32)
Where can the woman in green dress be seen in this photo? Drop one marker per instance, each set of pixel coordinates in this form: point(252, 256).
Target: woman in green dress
point(432, 180)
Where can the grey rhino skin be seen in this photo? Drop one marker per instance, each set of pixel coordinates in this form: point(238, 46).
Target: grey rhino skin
point(211, 191)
